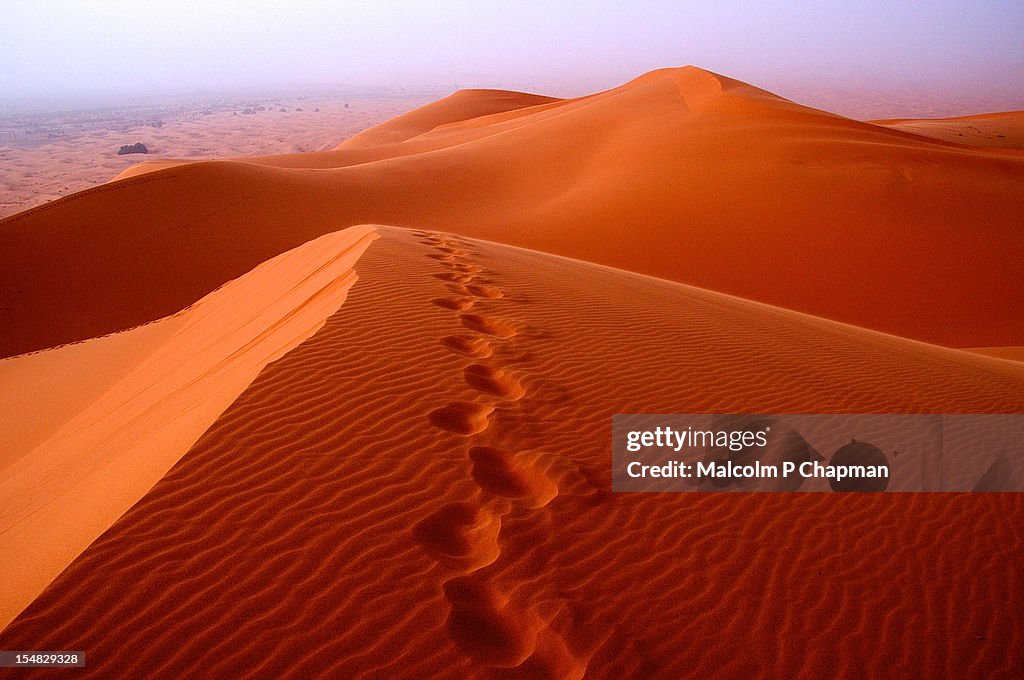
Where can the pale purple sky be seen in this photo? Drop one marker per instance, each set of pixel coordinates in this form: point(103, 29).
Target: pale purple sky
point(967, 52)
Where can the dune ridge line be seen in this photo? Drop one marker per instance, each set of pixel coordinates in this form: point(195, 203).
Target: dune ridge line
point(98, 462)
point(420, 490)
point(682, 174)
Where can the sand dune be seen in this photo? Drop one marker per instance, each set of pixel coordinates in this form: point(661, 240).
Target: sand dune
point(681, 174)
point(1012, 353)
point(72, 463)
point(57, 154)
point(1002, 130)
point(365, 146)
point(464, 105)
point(233, 474)
point(420, 490)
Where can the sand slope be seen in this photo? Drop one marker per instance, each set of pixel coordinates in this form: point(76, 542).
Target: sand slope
point(1002, 130)
point(421, 490)
point(54, 154)
point(133, 403)
point(462, 106)
point(1011, 353)
point(248, 478)
point(681, 174)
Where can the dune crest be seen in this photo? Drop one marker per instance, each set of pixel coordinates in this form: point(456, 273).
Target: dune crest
point(422, 490)
point(460, 106)
point(1010, 353)
point(152, 392)
point(681, 174)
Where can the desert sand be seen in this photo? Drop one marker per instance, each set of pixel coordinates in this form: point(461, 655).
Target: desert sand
point(347, 413)
point(999, 130)
point(680, 174)
point(45, 155)
point(146, 396)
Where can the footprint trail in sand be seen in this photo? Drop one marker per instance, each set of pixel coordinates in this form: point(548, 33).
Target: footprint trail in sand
point(488, 625)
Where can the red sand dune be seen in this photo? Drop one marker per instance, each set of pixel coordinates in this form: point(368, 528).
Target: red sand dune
point(421, 488)
point(1005, 130)
point(1009, 352)
point(681, 174)
point(90, 427)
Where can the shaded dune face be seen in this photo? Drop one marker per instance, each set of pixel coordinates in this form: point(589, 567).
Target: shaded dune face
point(331, 523)
point(89, 428)
point(681, 174)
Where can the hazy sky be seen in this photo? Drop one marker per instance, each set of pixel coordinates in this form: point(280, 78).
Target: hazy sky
point(70, 47)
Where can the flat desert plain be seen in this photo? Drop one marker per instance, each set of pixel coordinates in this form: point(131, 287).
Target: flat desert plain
point(347, 412)
point(47, 153)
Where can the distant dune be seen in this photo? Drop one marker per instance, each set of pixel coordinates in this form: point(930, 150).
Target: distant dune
point(680, 174)
point(45, 155)
point(347, 413)
point(1000, 130)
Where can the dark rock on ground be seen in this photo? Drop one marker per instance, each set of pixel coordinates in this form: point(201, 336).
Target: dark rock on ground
point(137, 147)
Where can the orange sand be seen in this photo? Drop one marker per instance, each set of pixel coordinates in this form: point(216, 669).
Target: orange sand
point(1012, 353)
point(680, 174)
point(151, 393)
point(69, 151)
point(1005, 130)
point(421, 488)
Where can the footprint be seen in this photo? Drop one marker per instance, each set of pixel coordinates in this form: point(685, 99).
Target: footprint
point(493, 381)
point(451, 251)
point(461, 534)
point(466, 268)
point(443, 257)
point(470, 345)
point(551, 660)
point(495, 632)
point(486, 626)
point(456, 277)
point(521, 477)
point(456, 303)
point(482, 324)
point(462, 417)
point(459, 289)
point(489, 292)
